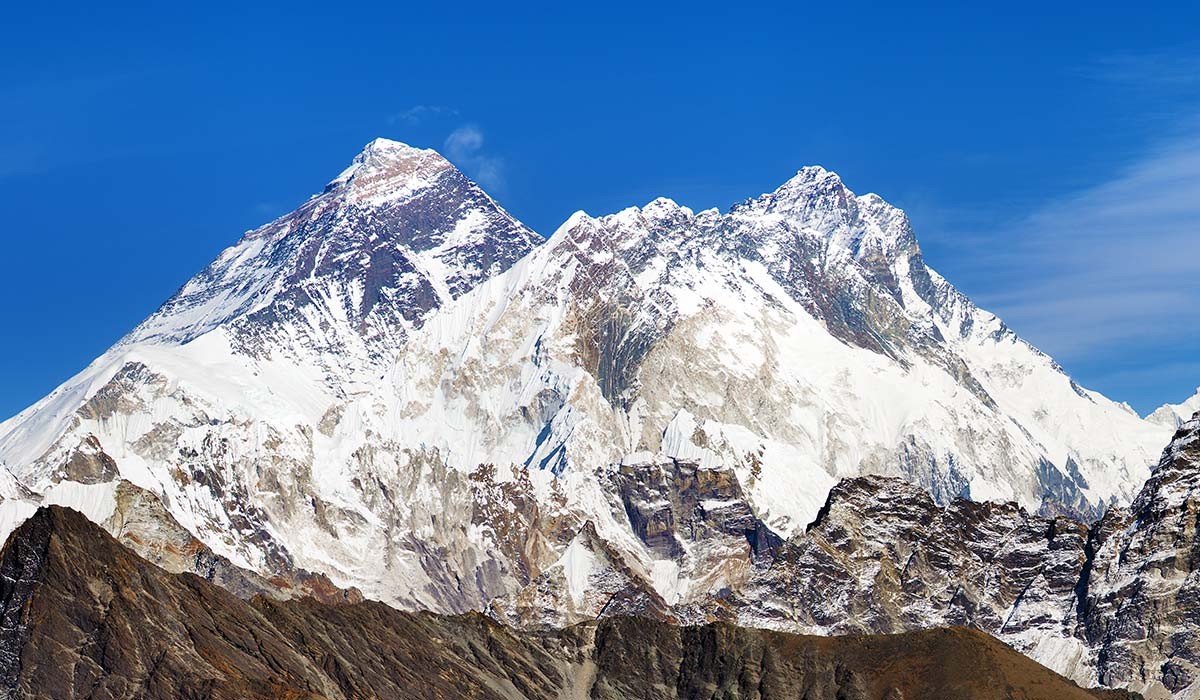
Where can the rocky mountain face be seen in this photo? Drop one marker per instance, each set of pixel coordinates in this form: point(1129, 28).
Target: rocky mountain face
point(777, 416)
point(83, 617)
point(1107, 604)
point(1141, 602)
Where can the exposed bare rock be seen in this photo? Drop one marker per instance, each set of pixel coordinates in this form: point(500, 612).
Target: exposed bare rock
point(140, 522)
point(720, 660)
point(89, 464)
point(83, 617)
point(1142, 607)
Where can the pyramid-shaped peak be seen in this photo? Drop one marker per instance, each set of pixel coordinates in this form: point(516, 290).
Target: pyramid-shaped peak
point(812, 177)
point(399, 232)
point(812, 173)
point(382, 149)
point(812, 187)
point(385, 169)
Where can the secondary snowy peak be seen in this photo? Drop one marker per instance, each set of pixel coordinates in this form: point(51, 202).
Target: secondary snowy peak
point(352, 270)
point(851, 261)
point(821, 205)
point(1175, 415)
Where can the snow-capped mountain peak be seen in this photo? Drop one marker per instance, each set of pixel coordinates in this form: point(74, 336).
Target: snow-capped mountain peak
point(305, 309)
point(353, 269)
point(387, 170)
point(1175, 415)
point(812, 188)
point(817, 203)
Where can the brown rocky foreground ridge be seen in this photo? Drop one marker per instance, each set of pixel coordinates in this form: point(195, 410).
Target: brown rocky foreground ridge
point(81, 616)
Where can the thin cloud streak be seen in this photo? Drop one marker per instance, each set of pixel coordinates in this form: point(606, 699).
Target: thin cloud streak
point(1164, 69)
point(1108, 272)
point(418, 114)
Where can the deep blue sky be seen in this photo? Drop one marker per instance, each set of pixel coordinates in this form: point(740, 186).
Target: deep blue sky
point(1049, 157)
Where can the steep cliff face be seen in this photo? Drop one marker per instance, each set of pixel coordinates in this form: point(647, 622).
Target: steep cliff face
point(1108, 604)
point(1142, 603)
point(83, 617)
point(884, 557)
point(881, 557)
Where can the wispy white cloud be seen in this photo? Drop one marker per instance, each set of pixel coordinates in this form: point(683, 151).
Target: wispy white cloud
point(1111, 267)
point(1169, 68)
point(418, 114)
point(464, 147)
point(464, 141)
point(1154, 373)
point(1107, 278)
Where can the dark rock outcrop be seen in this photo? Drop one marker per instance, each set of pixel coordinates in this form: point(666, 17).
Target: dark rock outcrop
point(84, 617)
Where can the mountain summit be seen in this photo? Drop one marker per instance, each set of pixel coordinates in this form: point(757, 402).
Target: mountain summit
point(354, 269)
point(387, 170)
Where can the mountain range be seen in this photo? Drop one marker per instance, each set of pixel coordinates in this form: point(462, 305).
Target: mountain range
point(776, 416)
